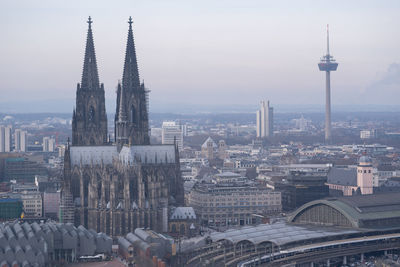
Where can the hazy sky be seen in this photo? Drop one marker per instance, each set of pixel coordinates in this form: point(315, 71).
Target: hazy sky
point(203, 52)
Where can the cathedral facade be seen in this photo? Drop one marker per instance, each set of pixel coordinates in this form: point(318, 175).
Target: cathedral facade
point(115, 187)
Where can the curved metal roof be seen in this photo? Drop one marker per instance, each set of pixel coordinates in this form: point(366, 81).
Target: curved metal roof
point(279, 233)
point(360, 208)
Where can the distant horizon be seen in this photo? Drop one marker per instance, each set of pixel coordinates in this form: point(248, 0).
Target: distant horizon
point(64, 107)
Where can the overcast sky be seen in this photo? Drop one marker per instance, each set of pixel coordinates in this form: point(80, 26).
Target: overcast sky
point(203, 52)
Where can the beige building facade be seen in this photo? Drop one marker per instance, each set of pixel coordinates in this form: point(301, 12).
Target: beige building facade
point(233, 205)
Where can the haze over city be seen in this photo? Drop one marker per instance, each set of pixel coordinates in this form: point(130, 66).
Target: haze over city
point(186, 133)
point(203, 53)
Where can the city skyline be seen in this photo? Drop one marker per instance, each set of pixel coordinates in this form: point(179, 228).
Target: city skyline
point(223, 49)
point(187, 133)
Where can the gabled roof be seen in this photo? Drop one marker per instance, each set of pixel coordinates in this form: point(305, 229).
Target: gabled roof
point(92, 154)
point(182, 213)
point(342, 176)
point(209, 139)
point(146, 154)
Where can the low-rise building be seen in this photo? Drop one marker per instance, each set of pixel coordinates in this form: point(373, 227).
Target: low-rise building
point(350, 181)
point(182, 222)
point(51, 204)
point(10, 208)
point(230, 204)
point(32, 204)
point(300, 187)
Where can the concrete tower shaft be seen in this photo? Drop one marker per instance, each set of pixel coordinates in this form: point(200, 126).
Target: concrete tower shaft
point(327, 64)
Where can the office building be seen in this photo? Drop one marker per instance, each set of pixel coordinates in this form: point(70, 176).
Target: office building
point(20, 140)
point(265, 120)
point(301, 187)
point(21, 170)
point(2, 139)
point(10, 208)
point(5, 138)
point(51, 204)
point(48, 144)
point(229, 200)
point(368, 134)
point(171, 132)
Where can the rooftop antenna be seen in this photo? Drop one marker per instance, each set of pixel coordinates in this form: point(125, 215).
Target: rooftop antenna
point(327, 39)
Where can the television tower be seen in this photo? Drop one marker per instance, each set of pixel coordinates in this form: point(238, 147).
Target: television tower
point(327, 64)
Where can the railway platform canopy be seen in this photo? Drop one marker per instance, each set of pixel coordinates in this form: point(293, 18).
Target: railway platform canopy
point(320, 221)
point(375, 211)
point(279, 234)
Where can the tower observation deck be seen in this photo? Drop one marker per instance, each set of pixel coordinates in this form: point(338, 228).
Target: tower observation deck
point(327, 64)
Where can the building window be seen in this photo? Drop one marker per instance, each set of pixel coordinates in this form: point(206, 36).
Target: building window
point(133, 114)
point(91, 114)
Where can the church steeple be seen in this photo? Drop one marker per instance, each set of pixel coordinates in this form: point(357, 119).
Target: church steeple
point(90, 76)
point(134, 98)
point(130, 77)
point(89, 121)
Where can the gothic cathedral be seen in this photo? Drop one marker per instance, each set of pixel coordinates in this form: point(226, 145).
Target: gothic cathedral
point(117, 187)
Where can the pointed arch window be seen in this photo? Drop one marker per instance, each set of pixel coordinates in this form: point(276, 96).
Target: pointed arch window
point(91, 114)
point(133, 114)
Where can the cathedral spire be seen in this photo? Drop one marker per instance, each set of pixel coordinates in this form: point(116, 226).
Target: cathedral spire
point(89, 122)
point(90, 76)
point(130, 77)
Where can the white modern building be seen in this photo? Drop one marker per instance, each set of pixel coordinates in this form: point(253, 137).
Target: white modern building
point(20, 140)
point(265, 120)
point(5, 138)
point(172, 131)
point(368, 134)
point(49, 144)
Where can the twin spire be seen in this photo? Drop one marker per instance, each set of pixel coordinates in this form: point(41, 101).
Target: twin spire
point(90, 76)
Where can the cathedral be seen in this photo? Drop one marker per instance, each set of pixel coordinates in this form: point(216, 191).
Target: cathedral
point(115, 187)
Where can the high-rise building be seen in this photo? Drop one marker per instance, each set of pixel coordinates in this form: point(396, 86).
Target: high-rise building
point(20, 140)
point(172, 132)
point(327, 64)
point(2, 139)
point(265, 120)
point(48, 144)
point(5, 138)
